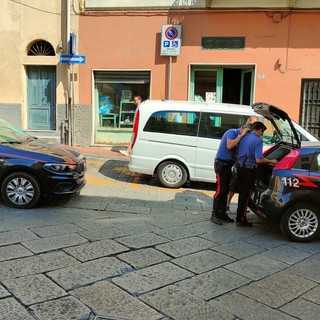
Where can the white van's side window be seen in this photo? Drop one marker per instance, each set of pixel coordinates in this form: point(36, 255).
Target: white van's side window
point(173, 122)
point(214, 125)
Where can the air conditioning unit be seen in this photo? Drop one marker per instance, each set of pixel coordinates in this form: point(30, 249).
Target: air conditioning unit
point(126, 95)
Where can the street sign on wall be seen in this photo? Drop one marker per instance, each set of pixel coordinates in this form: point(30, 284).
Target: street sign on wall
point(170, 40)
point(72, 59)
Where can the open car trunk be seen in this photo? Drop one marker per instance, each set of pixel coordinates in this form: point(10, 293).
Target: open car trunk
point(284, 136)
point(277, 152)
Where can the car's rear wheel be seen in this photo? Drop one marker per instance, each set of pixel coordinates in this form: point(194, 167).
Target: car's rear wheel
point(21, 190)
point(172, 174)
point(301, 222)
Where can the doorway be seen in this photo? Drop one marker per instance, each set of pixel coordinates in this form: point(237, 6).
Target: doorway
point(222, 84)
point(41, 97)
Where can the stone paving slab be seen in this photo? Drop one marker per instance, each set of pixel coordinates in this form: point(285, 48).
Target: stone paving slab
point(213, 283)
point(62, 309)
point(50, 231)
point(89, 272)
point(16, 236)
point(143, 258)
point(187, 231)
point(34, 289)
point(309, 269)
point(151, 278)
point(256, 267)
point(311, 247)
point(228, 233)
point(142, 240)
point(267, 240)
point(13, 252)
point(239, 249)
point(180, 305)
point(110, 302)
point(128, 208)
point(302, 309)
point(88, 202)
point(35, 264)
point(277, 289)
point(53, 243)
point(138, 228)
point(202, 261)
point(182, 247)
point(95, 250)
point(248, 309)
point(103, 233)
point(12, 310)
point(313, 295)
point(3, 293)
point(287, 254)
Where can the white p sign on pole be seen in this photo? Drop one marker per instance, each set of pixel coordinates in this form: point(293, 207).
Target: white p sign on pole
point(170, 40)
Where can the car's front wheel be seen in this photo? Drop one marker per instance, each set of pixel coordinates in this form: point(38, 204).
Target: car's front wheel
point(20, 190)
point(172, 174)
point(300, 222)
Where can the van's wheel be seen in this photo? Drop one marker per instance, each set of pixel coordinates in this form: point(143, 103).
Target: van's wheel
point(300, 222)
point(20, 190)
point(172, 174)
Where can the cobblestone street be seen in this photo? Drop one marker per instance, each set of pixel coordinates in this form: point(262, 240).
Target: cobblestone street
point(128, 249)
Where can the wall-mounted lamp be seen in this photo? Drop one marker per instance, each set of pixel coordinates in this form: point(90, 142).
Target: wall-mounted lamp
point(60, 47)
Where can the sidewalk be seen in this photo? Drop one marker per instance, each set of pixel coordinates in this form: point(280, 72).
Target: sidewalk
point(102, 151)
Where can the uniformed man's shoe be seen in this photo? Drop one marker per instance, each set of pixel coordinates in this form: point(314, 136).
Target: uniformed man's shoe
point(215, 219)
point(244, 223)
point(226, 218)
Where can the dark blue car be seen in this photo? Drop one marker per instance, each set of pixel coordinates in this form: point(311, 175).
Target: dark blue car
point(31, 169)
point(289, 192)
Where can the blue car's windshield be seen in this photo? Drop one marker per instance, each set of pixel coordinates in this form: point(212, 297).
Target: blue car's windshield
point(11, 134)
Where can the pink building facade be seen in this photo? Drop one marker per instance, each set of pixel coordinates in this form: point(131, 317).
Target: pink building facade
point(234, 56)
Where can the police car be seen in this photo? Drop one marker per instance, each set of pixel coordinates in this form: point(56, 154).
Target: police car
point(288, 193)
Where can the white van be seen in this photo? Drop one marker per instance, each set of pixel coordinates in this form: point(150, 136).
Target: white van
point(178, 140)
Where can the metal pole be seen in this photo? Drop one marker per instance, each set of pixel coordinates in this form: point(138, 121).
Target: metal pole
point(169, 78)
point(68, 72)
point(72, 97)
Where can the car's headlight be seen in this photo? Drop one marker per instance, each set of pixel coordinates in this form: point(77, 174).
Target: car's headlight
point(60, 167)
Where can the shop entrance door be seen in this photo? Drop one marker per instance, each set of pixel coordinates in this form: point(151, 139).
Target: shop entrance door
point(231, 84)
point(41, 92)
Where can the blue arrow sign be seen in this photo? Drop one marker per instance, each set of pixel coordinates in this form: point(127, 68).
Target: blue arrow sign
point(70, 58)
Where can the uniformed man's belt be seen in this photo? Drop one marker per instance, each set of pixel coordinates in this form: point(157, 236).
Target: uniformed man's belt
point(225, 161)
point(246, 166)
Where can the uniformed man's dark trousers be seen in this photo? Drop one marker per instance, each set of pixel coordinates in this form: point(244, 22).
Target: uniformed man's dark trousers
point(223, 175)
point(246, 178)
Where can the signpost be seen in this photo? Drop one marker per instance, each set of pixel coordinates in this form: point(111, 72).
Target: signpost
point(170, 46)
point(72, 59)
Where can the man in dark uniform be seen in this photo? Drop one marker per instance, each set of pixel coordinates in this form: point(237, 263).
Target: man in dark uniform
point(249, 155)
point(223, 163)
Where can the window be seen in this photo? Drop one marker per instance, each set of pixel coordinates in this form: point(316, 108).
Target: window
point(310, 109)
point(214, 125)
point(41, 48)
point(173, 122)
point(115, 89)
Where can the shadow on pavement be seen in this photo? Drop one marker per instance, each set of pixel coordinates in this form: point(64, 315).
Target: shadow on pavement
point(118, 170)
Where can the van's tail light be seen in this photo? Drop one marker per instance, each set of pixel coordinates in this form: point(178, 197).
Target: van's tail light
point(288, 161)
point(135, 127)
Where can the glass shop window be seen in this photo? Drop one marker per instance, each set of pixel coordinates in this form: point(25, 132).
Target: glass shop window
point(114, 92)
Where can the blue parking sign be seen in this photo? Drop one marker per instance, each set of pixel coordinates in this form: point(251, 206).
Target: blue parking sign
point(166, 44)
point(175, 44)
